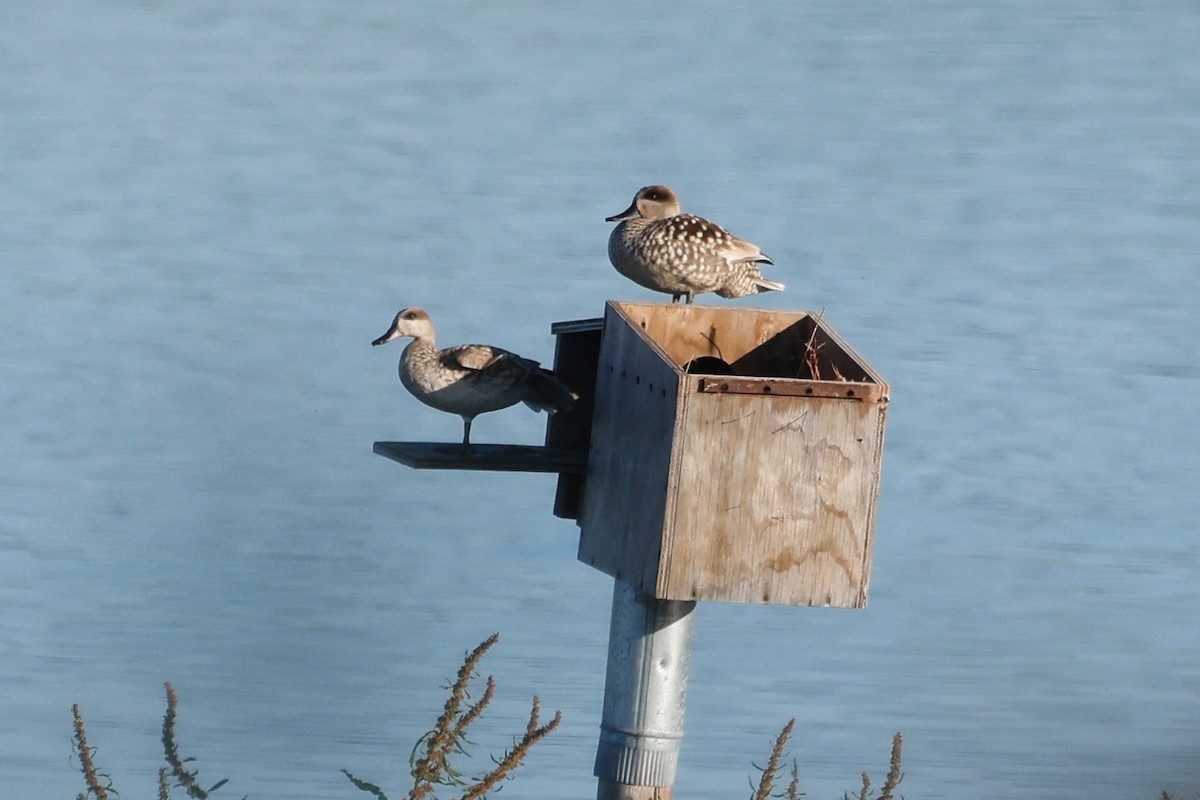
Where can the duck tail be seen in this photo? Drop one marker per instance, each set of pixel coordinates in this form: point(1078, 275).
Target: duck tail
point(548, 393)
point(748, 281)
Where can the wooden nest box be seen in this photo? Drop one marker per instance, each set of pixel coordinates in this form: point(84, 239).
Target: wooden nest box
point(734, 455)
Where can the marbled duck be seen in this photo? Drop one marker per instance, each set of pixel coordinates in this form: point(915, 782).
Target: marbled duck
point(470, 379)
point(657, 246)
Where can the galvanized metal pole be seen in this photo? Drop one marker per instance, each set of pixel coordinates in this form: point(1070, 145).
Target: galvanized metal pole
point(645, 689)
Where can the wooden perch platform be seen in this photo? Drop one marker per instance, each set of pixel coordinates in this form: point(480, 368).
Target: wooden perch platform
point(487, 457)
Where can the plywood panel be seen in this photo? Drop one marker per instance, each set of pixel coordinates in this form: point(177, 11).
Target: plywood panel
point(776, 502)
point(690, 331)
point(626, 497)
point(755, 342)
point(757, 488)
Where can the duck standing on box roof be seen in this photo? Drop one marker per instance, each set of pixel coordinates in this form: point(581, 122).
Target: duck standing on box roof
point(470, 379)
point(659, 247)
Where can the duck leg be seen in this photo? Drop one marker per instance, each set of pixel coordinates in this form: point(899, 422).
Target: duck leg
point(466, 442)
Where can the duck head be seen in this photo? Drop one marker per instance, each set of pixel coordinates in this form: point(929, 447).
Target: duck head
point(412, 322)
point(651, 202)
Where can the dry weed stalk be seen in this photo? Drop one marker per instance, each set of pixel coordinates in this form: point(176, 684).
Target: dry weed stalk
point(434, 769)
point(182, 776)
point(792, 792)
point(91, 776)
point(865, 792)
point(171, 751)
point(99, 784)
point(767, 781)
point(793, 788)
point(811, 359)
point(894, 776)
point(513, 758)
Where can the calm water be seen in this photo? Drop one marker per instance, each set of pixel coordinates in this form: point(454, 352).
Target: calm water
point(207, 213)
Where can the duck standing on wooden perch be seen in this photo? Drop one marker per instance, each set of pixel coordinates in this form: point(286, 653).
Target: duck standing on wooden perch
point(657, 246)
point(470, 379)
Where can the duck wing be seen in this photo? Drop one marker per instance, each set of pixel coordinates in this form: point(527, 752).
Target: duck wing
point(545, 392)
point(538, 388)
point(740, 250)
point(474, 357)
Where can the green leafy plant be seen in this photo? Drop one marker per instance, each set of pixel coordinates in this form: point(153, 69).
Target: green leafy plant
point(430, 760)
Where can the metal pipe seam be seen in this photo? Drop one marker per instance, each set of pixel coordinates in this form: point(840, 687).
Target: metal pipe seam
point(645, 689)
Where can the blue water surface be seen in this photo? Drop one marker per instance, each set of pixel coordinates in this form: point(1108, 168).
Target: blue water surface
point(208, 211)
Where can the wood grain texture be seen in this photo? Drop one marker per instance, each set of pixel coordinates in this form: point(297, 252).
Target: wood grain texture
point(755, 342)
point(775, 503)
point(626, 497)
point(791, 387)
point(758, 485)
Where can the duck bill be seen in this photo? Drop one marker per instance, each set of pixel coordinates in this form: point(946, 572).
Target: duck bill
point(628, 213)
point(391, 334)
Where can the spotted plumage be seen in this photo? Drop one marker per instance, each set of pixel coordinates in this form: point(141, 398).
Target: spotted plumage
point(470, 379)
point(657, 246)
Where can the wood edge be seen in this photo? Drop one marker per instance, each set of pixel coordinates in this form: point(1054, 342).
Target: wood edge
point(662, 583)
point(577, 326)
point(850, 351)
point(618, 308)
point(792, 387)
point(484, 457)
